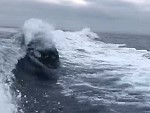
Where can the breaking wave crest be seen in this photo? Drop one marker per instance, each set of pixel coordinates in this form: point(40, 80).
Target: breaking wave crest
point(102, 72)
point(10, 52)
point(13, 49)
point(93, 71)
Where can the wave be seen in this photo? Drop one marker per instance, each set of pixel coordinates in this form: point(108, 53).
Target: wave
point(33, 40)
point(111, 69)
point(81, 53)
point(94, 71)
point(10, 52)
point(34, 29)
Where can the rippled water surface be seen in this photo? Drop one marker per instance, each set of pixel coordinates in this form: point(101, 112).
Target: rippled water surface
point(99, 73)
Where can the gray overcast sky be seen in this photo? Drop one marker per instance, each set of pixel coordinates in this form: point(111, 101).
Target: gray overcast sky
point(121, 16)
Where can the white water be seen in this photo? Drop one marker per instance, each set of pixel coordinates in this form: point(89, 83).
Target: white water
point(79, 51)
point(35, 29)
point(10, 52)
point(128, 68)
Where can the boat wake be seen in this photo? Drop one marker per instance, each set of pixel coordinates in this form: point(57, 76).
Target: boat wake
point(92, 71)
point(33, 43)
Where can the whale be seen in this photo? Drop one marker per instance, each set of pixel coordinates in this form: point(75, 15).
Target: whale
point(47, 57)
point(41, 59)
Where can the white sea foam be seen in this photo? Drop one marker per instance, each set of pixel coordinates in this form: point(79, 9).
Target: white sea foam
point(35, 29)
point(95, 65)
point(10, 52)
point(126, 66)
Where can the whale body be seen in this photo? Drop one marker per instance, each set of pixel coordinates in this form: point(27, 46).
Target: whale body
point(46, 57)
point(41, 59)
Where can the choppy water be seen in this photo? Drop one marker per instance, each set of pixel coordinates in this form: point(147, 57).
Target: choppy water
point(99, 73)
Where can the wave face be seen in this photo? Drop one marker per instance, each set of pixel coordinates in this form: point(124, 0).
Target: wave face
point(35, 29)
point(12, 49)
point(103, 74)
point(10, 52)
point(39, 42)
point(110, 75)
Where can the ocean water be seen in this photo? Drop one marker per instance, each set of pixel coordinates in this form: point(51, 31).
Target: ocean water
point(99, 73)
